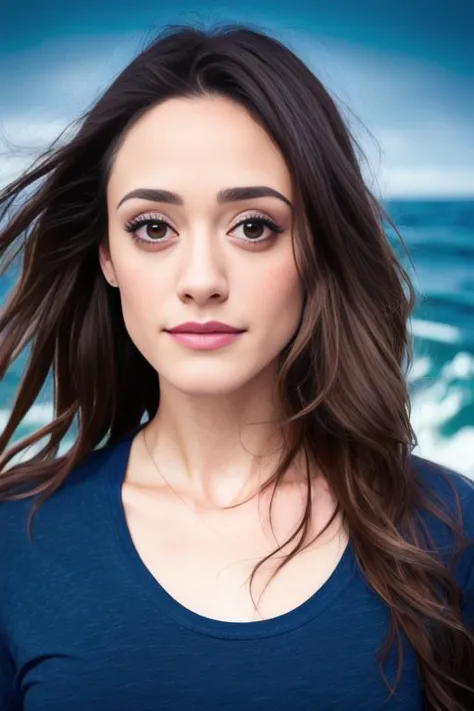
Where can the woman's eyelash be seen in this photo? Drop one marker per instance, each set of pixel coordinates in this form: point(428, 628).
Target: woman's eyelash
point(133, 225)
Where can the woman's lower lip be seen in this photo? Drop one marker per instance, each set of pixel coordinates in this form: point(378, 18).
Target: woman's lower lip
point(205, 341)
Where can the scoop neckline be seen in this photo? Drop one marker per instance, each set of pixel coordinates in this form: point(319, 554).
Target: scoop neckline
point(141, 577)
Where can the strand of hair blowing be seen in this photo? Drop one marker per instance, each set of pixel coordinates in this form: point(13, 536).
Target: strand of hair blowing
point(341, 380)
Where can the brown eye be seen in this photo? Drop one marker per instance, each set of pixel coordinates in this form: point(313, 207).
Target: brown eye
point(255, 230)
point(155, 230)
point(253, 227)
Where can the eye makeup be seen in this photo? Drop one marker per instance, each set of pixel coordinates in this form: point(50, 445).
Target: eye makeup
point(157, 220)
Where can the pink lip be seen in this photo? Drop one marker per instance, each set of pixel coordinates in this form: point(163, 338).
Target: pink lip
point(208, 327)
point(205, 341)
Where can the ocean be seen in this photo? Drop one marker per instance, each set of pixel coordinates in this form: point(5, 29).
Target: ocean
point(439, 235)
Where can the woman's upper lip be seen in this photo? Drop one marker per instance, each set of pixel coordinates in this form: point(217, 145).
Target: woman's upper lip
point(208, 327)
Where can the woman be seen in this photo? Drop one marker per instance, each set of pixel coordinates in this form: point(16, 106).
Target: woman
point(215, 181)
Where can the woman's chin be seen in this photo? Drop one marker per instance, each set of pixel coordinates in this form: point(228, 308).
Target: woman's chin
point(209, 382)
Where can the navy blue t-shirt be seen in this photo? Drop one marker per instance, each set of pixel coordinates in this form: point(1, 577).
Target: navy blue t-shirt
point(86, 627)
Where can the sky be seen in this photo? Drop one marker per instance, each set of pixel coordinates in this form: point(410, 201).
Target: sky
point(402, 74)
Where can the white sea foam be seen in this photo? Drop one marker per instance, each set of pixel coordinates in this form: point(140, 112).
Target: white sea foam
point(437, 402)
point(439, 332)
point(437, 398)
point(420, 368)
point(37, 416)
point(456, 453)
point(461, 366)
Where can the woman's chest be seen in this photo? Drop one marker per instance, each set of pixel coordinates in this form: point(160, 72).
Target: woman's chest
point(205, 564)
point(89, 629)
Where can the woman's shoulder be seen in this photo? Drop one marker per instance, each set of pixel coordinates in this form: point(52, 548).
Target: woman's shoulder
point(444, 481)
point(455, 491)
point(81, 477)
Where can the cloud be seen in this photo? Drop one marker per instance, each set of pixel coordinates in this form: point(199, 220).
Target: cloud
point(425, 181)
point(63, 75)
point(409, 118)
point(396, 175)
point(22, 139)
point(31, 133)
point(437, 140)
point(408, 166)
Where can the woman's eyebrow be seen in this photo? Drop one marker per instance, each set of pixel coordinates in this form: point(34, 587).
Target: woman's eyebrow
point(223, 196)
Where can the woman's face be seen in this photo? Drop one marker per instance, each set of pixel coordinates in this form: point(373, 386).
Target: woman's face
point(198, 263)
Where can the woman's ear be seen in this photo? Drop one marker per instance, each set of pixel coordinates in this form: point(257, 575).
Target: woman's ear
point(106, 265)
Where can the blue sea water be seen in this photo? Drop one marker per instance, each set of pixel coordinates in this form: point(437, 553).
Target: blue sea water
point(439, 235)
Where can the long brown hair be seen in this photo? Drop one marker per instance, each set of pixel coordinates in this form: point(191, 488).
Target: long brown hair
point(341, 378)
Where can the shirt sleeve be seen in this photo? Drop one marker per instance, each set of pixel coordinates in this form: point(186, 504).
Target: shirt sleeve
point(9, 697)
point(467, 558)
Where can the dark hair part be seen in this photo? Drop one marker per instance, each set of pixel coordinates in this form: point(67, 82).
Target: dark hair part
point(341, 378)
